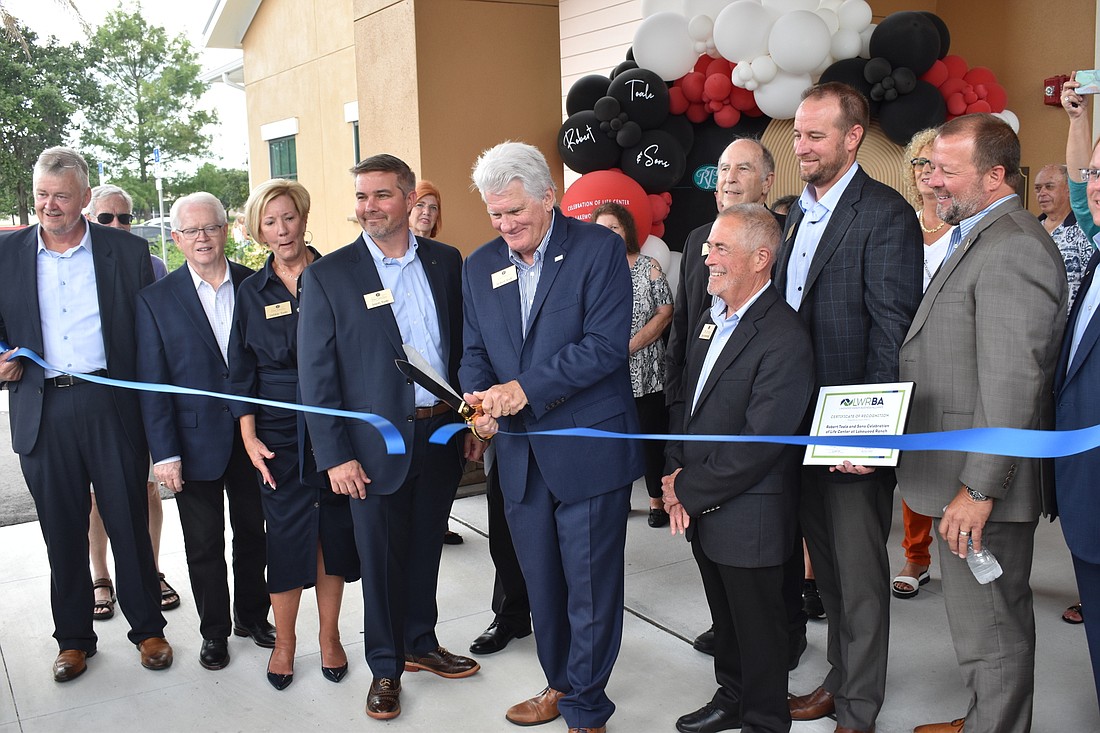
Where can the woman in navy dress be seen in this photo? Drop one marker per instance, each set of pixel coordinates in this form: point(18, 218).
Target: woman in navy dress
point(310, 541)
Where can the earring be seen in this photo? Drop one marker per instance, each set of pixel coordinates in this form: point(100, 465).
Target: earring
point(309, 237)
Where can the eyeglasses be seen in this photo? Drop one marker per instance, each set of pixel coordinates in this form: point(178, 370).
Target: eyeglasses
point(123, 219)
point(193, 233)
point(920, 162)
point(1090, 174)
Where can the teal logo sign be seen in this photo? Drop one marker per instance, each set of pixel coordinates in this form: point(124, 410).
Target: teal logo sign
point(705, 177)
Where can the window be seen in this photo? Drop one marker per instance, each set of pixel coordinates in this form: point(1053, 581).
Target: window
point(284, 158)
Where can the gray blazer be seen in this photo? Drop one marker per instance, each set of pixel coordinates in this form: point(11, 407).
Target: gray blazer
point(982, 351)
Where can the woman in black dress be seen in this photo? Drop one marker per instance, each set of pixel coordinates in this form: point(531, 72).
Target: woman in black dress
point(309, 533)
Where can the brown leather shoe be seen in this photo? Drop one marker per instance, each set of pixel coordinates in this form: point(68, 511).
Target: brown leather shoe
point(156, 653)
point(384, 698)
point(70, 664)
point(542, 708)
point(442, 663)
point(955, 726)
point(817, 704)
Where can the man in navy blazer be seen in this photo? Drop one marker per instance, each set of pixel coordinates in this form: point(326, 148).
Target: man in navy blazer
point(851, 266)
point(1077, 405)
point(749, 371)
point(69, 296)
point(547, 319)
point(360, 304)
point(183, 325)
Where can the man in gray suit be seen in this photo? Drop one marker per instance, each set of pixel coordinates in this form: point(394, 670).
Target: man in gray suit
point(749, 371)
point(982, 350)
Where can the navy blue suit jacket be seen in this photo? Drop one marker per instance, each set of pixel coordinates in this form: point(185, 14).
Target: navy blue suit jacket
point(122, 267)
point(572, 365)
point(346, 355)
point(1077, 405)
point(177, 346)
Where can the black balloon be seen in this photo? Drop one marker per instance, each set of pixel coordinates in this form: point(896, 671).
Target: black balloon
point(941, 28)
point(630, 135)
point(905, 80)
point(907, 39)
point(584, 93)
point(656, 162)
point(643, 96)
point(877, 69)
point(679, 127)
point(911, 113)
point(606, 108)
point(624, 66)
point(853, 73)
point(583, 147)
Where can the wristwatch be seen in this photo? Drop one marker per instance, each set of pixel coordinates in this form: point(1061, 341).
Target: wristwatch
point(975, 494)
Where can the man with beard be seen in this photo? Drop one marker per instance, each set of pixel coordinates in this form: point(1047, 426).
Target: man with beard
point(851, 266)
point(982, 349)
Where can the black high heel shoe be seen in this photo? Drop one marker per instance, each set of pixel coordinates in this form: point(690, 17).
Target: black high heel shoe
point(335, 674)
point(278, 681)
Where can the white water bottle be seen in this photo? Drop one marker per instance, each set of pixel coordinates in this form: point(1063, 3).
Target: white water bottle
point(985, 567)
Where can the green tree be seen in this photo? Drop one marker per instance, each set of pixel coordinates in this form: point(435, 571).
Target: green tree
point(230, 185)
point(40, 89)
point(151, 91)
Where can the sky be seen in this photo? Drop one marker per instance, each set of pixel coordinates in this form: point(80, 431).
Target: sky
point(230, 136)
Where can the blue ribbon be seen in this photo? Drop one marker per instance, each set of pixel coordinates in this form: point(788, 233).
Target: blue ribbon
point(395, 444)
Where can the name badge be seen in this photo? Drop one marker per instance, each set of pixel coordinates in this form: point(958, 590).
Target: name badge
point(706, 248)
point(559, 258)
point(505, 276)
point(377, 298)
point(277, 310)
point(708, 331)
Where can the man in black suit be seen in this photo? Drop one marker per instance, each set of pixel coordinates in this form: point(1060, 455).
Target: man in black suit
point(183, 324)
point(749, 372)
point(851, 266)
point(360, 304)
point(69, 296)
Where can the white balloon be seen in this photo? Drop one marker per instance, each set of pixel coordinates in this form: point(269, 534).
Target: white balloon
point(1010, 117)
point(786, 6)
point(833, 5)
point(652, 7)
point(741, 30)
point(799, 41)
point(780, 97)
point(700, 27)
point(656, 248)
point(764, 69)
point(865, 40)
point(700, 47)
point(846, 44)
point(743, 71)
point(662, 45)
point(713, 52)
point(825, 63)
point(709, 8)
point(830, 19)
point(854, 15)
point(752, 85)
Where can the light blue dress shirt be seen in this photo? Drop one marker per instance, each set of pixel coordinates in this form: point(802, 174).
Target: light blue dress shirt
point(726, 327)
point(1090, 300)
point(528, 276)
point(68, 305)
point(413, 307)
point(815, 218)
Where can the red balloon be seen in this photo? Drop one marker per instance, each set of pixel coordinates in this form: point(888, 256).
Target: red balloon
point(697, 113)
point(742, 99)
point(717, 86)
point(701, 65)
point(956, 65)
point(956, 105)
point(980, 106)
point(659, 204)
point(599, 187)
point(996, 96)
point(980, 75)
point(937, 74)
point(677, 102)
point(970, 96)
point(658, 229)
point(754, 112)
point(951, 86)
point(693, 86)
point(714, 105)
point(727, 117)
point(719, 66)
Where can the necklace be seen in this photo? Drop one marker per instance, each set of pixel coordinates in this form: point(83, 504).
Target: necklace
point(920, 220)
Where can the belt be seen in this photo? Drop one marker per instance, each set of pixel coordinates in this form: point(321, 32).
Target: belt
point(68, 380)
point(423, 413)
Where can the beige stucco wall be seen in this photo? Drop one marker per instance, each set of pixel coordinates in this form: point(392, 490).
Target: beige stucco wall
point(299, 61)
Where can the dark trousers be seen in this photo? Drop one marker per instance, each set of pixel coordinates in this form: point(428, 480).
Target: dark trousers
point(653, 418)
point(846, 524)
point(400, 540)
point(572, 557)
point(81, 441)
point(201, 506)
point(1088, 585)
point(510, 603)
point(750, 635)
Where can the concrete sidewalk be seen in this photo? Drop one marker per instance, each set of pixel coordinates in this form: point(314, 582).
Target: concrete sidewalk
point(658, 676)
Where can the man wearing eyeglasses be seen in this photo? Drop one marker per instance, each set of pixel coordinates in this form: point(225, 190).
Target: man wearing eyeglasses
point(111, 206)
point(183, 325)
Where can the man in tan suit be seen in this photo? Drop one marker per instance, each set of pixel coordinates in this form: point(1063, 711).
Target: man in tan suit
point(982, 350)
